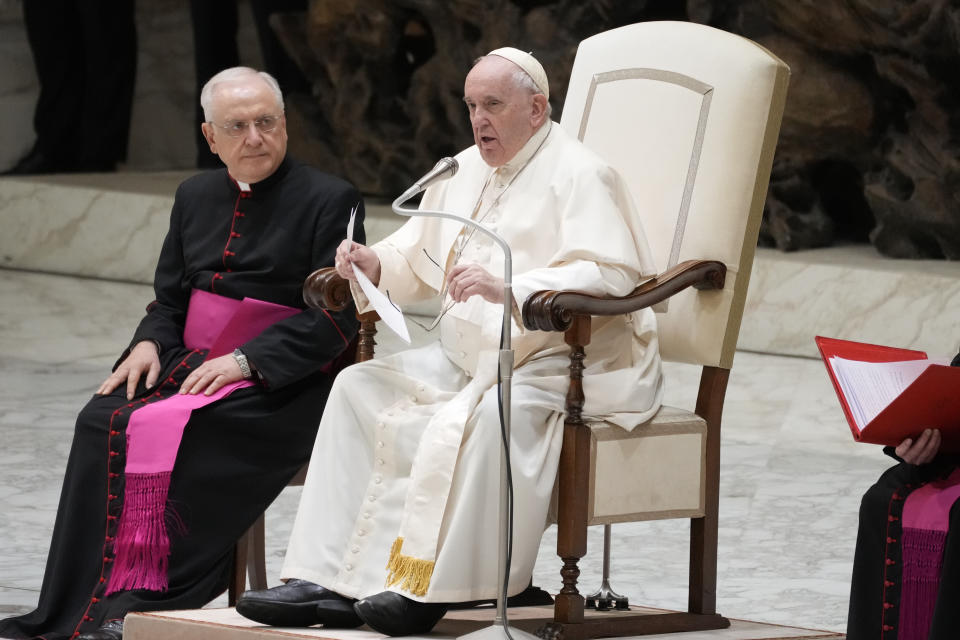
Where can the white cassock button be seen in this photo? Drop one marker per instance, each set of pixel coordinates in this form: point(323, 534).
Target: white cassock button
point(380, 444)
point(380, 461)
point(361, 533)
point(421, 388)
point(372, 499)
point(355, 550)
point(366, 515)
point(348, 567)
point(463, 354)
point(380, 425)
point(413, 399)
point(377, 480)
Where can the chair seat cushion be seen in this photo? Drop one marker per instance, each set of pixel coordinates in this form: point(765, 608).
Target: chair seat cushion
point(653, 472)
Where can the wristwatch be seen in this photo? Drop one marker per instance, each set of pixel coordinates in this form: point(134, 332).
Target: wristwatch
point(243, 364)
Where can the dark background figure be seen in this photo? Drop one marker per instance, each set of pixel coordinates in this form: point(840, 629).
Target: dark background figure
point(215, 49)
point(85, 52)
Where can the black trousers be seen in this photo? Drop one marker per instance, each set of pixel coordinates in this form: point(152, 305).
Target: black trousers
point(880, 513)
point(85, 52)
point(235, 457)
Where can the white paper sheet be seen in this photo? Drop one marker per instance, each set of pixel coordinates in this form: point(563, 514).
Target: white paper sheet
point(870, 386)
point(390, 313)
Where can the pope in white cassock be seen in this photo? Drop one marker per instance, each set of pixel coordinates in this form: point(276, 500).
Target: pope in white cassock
point(399, 513)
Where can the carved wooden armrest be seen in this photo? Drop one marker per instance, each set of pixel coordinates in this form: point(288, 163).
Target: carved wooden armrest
point(554, 310)
point(326, 289)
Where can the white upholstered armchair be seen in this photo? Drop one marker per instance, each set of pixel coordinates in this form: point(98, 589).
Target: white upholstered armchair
point(689, 115)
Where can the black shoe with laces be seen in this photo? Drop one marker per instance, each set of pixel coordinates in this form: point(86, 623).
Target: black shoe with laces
point(396, 615)
point(111, 630)
point(293, 604)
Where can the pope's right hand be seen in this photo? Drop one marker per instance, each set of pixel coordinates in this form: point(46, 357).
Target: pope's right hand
point(143, 358)
point(366, 259)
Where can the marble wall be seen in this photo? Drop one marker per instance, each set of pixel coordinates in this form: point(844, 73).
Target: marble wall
point(850, 292)
point(112, 225)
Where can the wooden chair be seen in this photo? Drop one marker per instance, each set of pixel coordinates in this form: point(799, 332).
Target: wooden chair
point(689, 115)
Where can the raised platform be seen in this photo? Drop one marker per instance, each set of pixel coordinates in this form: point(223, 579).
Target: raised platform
point(112, 225)
point(850, 292)
point(226, 624)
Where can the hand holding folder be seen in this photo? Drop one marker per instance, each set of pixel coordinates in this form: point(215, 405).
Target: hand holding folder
point(890, 394)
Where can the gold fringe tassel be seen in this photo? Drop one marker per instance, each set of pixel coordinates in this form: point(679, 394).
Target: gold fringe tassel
point(412, 574)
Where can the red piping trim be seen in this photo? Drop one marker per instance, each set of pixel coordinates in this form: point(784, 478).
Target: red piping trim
point(110, 475)
point(330, 318)
point(233, 222)
point(887, 563)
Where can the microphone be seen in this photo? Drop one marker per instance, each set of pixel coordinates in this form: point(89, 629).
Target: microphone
point(445, 168)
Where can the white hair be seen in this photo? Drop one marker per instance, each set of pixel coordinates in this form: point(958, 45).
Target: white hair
point(229, 75)
point(522, 80)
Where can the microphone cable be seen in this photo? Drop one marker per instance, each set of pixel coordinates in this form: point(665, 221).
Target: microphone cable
point(505, 443)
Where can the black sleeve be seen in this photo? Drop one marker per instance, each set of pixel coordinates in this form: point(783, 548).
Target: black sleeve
point(167, 314)
point(305, 343)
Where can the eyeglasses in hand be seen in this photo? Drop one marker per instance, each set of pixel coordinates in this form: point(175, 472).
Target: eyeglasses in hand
point(447, 304)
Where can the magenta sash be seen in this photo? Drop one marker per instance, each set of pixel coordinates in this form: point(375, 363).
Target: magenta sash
point(926, 518)
point(154, 431)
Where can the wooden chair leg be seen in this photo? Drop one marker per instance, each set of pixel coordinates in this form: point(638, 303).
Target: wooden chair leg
point(704, 531)
point(256, 555)
point(238, 581)
point(574, 465)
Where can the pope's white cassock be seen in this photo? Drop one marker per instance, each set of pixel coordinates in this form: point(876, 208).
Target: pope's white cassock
point(403, 487)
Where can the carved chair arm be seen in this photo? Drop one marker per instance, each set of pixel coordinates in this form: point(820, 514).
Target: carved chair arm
point(554, 310)
point(326, 289)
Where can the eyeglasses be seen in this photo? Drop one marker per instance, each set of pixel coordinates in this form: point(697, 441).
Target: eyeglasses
point(446, 304)
point(237, 128)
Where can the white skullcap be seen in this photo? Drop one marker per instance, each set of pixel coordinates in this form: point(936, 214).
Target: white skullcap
point(528, 63)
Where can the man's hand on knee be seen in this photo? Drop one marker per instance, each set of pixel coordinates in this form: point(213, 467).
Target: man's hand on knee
point(143, 358)
point(212, 375)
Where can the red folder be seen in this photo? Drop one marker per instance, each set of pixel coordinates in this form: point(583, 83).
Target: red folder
point(931, 401)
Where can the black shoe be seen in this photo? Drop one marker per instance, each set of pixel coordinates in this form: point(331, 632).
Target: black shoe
point(530, 597)
point(35, 162)
point(112, 630)
point(338, 614)
point(293, 604)
point(396, 615)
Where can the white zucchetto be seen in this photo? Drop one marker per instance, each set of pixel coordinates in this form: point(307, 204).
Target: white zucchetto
point(528, 63)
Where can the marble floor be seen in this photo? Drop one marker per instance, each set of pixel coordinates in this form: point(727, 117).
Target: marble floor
point(791, 475)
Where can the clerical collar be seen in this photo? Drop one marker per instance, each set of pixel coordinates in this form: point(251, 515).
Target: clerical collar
point(527, 151)
point(282, 170)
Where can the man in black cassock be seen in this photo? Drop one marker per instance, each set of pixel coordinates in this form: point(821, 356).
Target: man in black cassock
point(879, 588)
point(253, 230)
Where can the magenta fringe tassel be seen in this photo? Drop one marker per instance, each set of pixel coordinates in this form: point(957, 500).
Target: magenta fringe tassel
point(142, 546)
point(922, 562)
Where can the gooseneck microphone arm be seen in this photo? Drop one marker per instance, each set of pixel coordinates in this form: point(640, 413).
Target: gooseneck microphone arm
point(444, 169)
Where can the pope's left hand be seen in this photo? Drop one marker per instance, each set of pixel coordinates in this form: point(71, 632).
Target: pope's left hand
point(211, 375)
point(467, 280)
